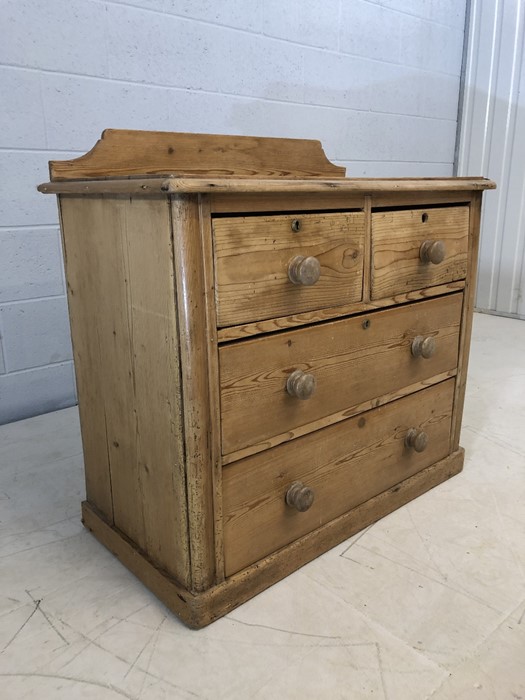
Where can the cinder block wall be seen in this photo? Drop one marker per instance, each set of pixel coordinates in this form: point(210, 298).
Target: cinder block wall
point(376, 80)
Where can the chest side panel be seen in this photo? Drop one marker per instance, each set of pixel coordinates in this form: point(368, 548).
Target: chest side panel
point(121, 293)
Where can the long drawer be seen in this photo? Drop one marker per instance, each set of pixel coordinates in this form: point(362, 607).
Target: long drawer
point(351, 361)
point(270, 266)
point(418, 248)
point(341, 466)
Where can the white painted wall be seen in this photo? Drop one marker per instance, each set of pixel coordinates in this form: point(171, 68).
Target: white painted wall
point(376, 80)
point(492, 143)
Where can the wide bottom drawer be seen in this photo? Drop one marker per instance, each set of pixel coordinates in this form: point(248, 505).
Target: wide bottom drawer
point(342, 465)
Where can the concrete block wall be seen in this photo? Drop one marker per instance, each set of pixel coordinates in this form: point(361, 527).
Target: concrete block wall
point(376, 80)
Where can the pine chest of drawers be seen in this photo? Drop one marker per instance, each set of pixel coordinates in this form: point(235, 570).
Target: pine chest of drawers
point(269, 356)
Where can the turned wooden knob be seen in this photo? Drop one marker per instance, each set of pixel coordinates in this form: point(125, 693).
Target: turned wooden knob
point(416, 440)
point(299, 496)
point(303, 270)
point(432, 252)
point(301, 385)
point(423, 347)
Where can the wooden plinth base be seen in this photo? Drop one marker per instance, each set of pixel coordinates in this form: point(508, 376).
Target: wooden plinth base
point(199, 609)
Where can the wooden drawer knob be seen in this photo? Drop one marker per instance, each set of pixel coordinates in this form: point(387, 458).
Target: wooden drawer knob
point(299, 496)
point(416, 440)
point(432, 252)
point(303, 270)
point(423, 347)
point(301, 385)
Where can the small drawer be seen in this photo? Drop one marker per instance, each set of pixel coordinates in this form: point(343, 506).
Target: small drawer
point(330, 472)
point(271, 266)
point(418, 248)
point(267, 383)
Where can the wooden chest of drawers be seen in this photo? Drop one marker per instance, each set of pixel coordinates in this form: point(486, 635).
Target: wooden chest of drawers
point(269, 356)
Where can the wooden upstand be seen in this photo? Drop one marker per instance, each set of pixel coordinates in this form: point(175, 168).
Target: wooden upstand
point(269, 356)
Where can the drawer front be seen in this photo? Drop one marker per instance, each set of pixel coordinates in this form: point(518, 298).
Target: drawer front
point(352, 360)
point(253, 264)
point(343, 465)
point(400, 264)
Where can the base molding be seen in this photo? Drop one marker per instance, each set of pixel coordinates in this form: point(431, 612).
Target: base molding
point(200, 609)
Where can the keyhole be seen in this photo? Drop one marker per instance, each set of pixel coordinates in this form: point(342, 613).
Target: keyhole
point(296, 225)
point(424, 217)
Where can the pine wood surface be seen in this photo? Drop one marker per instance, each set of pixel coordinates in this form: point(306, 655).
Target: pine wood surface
point(121, 297)
point(353, 410)
point(367, 257)
point(200, 609)
point(339, 200)
point(353, 360)
point(252, 256)
point(252, 185)
point(198, 379)
point(385, 199)
point(396, 241)
point(210, 340)
point(125, 153)
point(466, 319)
point(365, 185)
point(345, 465)
point(298, 202)
point(84, 278)
point(247, 330)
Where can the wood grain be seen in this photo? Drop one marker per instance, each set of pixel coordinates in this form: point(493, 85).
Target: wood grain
point(176, 597)
point(248, 330)
point(252, 255)
point(426, 190)
point(367, 257)
point(84, 277)
point(396, 240)
point(138, 186)
point(285, 202)
point(324, 422)
point(121, 294)
point(197, 373)
point(365, 185)
point(199, 610)
point(344, 465)
point(124, 153)
point(247, 583)
point(351, 363)
point(422, 199)
point(213, 376)
point(466, 319)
